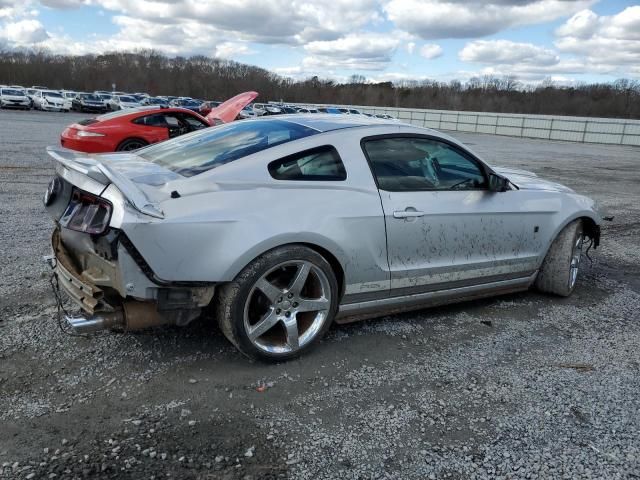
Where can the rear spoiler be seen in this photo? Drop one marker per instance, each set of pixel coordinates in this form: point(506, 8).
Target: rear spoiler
point(100, 172)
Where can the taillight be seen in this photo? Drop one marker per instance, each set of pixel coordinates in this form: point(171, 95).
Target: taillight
point(86, 213)
point(86, 133)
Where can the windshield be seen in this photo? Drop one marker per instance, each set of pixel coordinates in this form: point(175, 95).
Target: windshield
point(9, 91)
point(128, 99)
point(89, 96)
point(52, 94)
point(156, 101)
point(105, 96)
point(212, 147)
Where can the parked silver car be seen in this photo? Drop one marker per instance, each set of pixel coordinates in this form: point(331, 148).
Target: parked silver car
point(284, 224)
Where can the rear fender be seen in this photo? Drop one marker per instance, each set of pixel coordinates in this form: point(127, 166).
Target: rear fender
point(311, 239)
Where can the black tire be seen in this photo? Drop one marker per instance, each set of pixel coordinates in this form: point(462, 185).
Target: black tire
point(233, 297)
point(555, 275)
point(131, 144)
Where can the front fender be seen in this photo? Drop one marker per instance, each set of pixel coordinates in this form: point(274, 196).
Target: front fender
point(578, 207)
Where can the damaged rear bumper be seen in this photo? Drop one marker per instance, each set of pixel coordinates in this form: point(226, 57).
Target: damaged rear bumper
point(103, 289)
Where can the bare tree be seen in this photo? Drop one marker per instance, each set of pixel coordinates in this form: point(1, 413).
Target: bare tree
point(210, 78)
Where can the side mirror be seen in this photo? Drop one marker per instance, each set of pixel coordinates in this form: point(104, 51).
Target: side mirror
point(498, 183)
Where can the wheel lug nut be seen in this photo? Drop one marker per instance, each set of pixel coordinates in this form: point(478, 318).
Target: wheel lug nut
point(290, 295)
point(287, 314)
point(280, 300)
point(295, 304)
point(278, 311)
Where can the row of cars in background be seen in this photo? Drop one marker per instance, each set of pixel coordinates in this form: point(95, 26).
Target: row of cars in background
point(102, 101)
point(129, 121)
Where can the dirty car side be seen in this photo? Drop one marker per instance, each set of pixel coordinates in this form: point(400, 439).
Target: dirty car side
point(176, 236)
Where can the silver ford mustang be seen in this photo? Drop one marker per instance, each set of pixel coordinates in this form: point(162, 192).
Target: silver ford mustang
point(281, 225)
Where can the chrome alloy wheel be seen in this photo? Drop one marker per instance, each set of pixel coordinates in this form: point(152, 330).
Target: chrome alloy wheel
point(576, 253)
point(287, 307)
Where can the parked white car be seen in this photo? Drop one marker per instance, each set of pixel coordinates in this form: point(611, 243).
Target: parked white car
point(14, 98)
point(68, 96)
point(120, 102)
point(49, 100)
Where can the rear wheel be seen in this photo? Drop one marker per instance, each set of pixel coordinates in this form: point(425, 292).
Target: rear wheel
point(131, 144)
point(559, 271)
point(280, 304)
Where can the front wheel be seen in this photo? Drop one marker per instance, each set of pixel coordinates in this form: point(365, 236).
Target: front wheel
point(560, 268)
point(280, 304)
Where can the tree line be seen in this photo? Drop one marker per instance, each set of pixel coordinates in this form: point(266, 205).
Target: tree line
point(217, 79)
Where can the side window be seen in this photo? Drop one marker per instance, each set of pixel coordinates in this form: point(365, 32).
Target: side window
point(321, 163)
point(151, 121)
point(194, 123)
point(413, 163)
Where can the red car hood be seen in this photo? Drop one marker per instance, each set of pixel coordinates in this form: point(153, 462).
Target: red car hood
point(229, 110)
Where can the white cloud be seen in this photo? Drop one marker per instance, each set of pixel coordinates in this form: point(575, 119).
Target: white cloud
point(63, 4)
point(24, 32)
point(431, 51)
point(506, 52)
point(231, 50)
point(411, 46)
point(430, 19)
point(582, 25)
point(527, 61)
point(357, 51)
point(276, 21)
point(289, 71)
point(605, 40)
point(16, 9)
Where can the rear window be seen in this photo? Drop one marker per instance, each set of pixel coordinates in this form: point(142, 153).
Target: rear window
point(52, 94)
point(88, 121)
point(128, 99)
point(318, 164)
point(122, 113)
point(212, 147)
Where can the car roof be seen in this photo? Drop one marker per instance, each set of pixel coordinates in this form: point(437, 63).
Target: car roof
point(141, 111)
point(324, 122)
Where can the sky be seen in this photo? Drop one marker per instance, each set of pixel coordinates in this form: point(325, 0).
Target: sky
point(567, 41)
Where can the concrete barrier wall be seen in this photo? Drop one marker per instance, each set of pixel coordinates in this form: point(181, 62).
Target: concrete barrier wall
point(549, 127)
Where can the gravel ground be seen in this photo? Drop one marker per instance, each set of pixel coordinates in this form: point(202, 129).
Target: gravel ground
point(521, 386)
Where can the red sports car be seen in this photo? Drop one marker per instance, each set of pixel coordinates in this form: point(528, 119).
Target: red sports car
point(135, 128)
point(130, 129)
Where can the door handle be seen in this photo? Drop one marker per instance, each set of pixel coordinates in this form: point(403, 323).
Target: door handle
point(407, 214)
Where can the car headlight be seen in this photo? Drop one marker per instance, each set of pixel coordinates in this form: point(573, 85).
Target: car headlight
point(85, 133)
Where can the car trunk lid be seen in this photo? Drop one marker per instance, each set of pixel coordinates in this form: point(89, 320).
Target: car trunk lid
point(137, 180)
point(228, 111)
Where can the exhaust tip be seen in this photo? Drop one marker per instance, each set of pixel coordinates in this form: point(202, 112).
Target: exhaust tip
point(84, 325)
